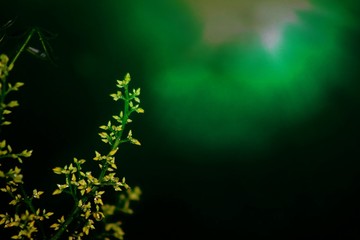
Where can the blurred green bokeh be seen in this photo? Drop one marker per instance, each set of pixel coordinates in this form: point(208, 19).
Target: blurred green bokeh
point(237, 93)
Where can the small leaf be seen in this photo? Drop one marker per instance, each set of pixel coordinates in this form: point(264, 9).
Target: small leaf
point(2, 143)
point(135, 141)
point(129, 134)
point(19, 84)
point(137, 92)
point(140, 110)
point(6, 123)
point(26, 153)
point(103, 127)
point(56, 192)
point(13, 104)
point(113, 152)
point(127, 78)
point(57, 170)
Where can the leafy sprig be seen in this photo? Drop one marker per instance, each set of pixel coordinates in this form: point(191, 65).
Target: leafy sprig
point(85, 188)
point(25, 217)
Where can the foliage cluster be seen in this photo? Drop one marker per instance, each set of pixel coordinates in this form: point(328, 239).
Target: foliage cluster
point(25, 219)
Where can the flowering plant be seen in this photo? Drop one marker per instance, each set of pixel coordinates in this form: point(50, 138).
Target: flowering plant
point(25, 220)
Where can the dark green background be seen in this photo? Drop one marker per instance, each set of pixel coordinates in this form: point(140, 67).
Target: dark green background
point(236, 143)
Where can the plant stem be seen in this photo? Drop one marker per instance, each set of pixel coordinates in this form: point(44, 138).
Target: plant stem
point(64, 226)
point(4, 83)
point(76, 209)
point(124, 120)
point(2, 98)
point(23, 46)
point(29, 204)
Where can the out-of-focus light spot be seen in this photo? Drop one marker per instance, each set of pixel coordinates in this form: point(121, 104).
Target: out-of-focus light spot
point(271, 38)
point(227, 21)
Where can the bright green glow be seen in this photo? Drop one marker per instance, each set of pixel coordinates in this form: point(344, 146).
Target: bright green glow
point(238, 94)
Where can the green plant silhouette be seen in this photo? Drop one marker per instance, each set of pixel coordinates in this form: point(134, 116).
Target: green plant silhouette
point(25, 220)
